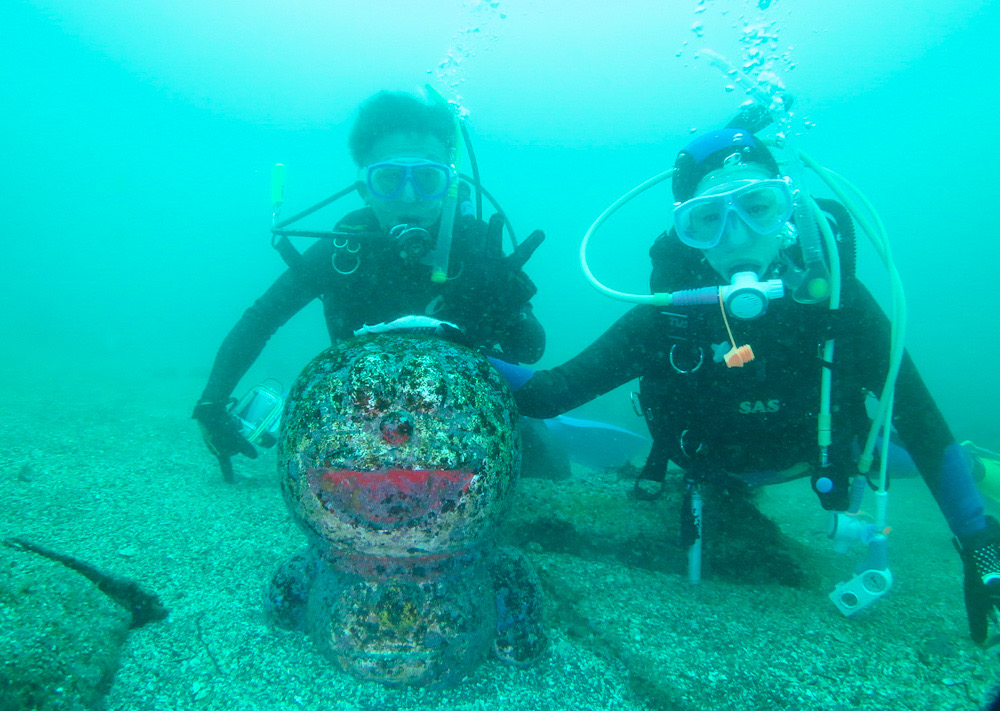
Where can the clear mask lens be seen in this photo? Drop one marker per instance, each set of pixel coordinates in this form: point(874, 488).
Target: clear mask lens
point(430, 180)
point(763, 206)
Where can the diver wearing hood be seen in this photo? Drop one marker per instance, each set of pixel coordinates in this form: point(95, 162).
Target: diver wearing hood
point(381, 262)
point(734, 223)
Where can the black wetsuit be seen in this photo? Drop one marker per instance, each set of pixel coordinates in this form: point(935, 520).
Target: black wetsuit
point(361, 279)
point(708, 418)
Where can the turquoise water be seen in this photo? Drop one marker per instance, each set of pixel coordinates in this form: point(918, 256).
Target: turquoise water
point(139, 139)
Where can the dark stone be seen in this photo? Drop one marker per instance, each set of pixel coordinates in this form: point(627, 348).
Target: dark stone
point(542, 457)
point(60, 637)
point(741, 543)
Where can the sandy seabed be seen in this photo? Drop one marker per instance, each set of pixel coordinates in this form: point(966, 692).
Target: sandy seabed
point(111, 469)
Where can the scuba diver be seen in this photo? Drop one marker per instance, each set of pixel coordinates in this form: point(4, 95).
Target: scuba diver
point(417, 248)
point(751, 413)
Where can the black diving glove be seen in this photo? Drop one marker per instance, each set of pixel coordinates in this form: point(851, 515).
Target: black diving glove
point(500, 283)
point(221, 433)
point(981, 559)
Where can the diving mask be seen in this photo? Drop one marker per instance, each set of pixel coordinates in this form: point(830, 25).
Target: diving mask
point(430, 180)
point(763, 205)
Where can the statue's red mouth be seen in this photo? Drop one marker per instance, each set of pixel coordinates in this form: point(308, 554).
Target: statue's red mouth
point(392, 496)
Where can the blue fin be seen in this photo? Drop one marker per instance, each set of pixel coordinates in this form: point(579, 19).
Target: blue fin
point(596, 444)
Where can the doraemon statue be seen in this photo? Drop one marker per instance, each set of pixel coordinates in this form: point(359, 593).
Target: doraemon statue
point(399, 454)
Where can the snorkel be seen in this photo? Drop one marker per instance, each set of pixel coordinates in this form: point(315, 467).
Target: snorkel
point(277, 191)
point(439, 257)
point(815, 284)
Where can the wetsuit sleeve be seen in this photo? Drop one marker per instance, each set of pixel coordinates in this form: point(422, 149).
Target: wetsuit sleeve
point(625, 351)
point(942, 463)
point(295, 288)
point(916, 416)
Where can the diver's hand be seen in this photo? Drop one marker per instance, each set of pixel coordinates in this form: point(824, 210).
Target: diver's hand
point(500, 279)
point(981, 559)
point(522, 253)
point(221, 433)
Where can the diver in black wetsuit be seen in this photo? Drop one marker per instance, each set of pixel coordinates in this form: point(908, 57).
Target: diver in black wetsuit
point(758, 422)
point(377, 264)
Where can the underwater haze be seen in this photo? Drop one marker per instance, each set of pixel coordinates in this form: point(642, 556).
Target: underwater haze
point(139, 140)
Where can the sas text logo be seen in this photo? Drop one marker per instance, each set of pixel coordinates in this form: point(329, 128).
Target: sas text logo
point(759, 406)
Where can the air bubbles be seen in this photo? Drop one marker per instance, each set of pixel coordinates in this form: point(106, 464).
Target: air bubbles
point(477, 35)
point(730, 88)
point(771, 81)
point(699, 29)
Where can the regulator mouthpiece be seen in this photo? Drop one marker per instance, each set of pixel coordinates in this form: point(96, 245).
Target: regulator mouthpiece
point(413, 243)
point(746, 297)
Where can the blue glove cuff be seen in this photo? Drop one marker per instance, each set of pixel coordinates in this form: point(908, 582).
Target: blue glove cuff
point(957, 495)
point(515, 375)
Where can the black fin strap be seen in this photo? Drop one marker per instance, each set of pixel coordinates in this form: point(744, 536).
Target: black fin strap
point(654, 470)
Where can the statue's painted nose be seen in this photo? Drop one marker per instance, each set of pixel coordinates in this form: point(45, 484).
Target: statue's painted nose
point(396, 428)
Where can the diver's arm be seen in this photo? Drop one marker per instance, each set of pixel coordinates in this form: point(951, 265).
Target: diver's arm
point(295, 288)
point(947, 469)
point(622, 353)
point(926, 435)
